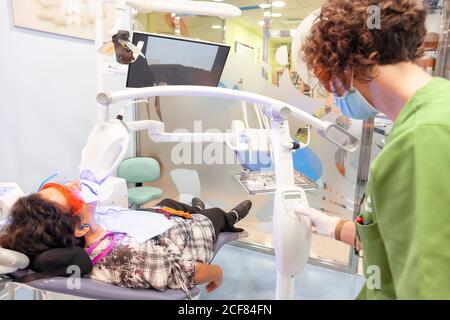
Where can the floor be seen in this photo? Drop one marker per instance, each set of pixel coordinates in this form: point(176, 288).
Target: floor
point(253, 278)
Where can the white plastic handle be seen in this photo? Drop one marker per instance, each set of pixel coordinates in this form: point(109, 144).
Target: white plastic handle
point(350, 144)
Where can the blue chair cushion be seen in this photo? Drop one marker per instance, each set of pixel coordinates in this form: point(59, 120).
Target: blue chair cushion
point(142, 195)
point(140, 169)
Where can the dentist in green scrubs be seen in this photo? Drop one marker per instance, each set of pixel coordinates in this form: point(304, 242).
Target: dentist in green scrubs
point(370, 64)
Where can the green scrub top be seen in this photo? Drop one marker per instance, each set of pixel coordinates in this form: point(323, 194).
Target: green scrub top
point(406, 238)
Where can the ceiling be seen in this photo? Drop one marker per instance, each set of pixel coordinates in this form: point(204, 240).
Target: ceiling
point(291, 14)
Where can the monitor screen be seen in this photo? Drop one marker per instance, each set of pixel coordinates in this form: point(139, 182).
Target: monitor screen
point(176, 61)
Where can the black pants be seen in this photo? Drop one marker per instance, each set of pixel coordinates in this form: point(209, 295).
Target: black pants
point(222, 221)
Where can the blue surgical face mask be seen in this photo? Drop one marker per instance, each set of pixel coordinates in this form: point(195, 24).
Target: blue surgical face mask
point(353, 105)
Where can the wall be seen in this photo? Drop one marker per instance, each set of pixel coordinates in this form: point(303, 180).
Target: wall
point(274, 45)
point(47, 102)
point(236, 31)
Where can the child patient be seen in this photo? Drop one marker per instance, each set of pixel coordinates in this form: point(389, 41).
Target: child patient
point(57, 217)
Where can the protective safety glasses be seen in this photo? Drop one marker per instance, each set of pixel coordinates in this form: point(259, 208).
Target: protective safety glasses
point(74, 200)
point(324, 77)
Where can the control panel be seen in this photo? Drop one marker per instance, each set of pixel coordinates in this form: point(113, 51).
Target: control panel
point(244, 139)
point(294, 199)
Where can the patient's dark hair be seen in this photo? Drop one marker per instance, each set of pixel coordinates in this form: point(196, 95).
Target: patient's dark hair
point(36, 225)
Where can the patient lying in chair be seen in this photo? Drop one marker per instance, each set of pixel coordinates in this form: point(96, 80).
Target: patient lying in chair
point(57, 217)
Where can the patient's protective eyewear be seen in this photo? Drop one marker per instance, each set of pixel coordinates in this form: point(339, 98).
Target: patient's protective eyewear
point(74, 200)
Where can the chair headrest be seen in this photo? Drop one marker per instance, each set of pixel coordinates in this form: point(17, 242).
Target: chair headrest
point(13, 259)
point(56, 262)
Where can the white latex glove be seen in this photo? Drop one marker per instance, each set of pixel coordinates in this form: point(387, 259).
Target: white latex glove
point(325, 224)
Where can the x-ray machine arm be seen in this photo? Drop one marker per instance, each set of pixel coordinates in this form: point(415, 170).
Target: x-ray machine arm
point(292, 233)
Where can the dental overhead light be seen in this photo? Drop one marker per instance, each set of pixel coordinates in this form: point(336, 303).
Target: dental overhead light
point(126, 52)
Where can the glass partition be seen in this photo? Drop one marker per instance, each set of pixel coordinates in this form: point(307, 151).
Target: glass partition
point(443, 60)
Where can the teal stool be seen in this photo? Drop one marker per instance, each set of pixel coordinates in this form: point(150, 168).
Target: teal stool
point(139, 170)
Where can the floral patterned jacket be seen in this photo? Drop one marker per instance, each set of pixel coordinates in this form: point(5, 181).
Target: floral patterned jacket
point(165, 261)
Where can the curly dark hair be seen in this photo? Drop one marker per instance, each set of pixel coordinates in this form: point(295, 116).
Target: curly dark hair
point(36, 225)
point(340, 38)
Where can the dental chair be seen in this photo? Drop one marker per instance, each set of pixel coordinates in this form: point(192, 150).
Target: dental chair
point(14, 266)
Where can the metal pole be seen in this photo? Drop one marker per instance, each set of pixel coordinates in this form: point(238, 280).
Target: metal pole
point(362, 178)
point(443, 42)
point(102, 111)
point(133, 25)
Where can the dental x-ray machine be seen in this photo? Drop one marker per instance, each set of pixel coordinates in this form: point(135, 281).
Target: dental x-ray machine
point(108, 142)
